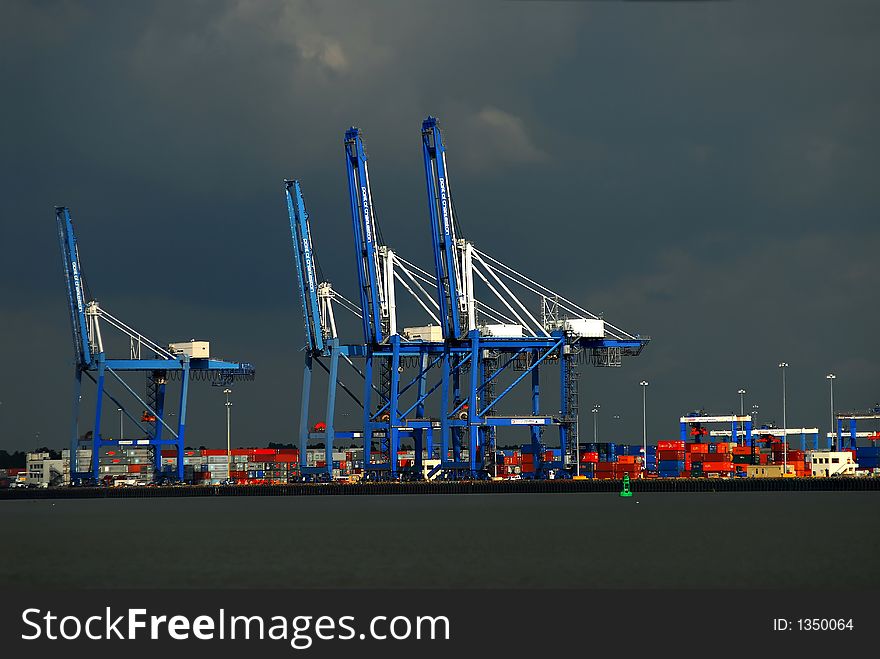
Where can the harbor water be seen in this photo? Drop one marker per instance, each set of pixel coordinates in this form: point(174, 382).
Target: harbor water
point(596, 540)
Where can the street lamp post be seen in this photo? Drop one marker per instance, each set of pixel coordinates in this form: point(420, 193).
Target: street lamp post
point(119, 409)
point(741, 392)
point(784, 366)
point(228, 433)
point(830, 377)
point(577, 442)
point(644, 385)
point(596, 423)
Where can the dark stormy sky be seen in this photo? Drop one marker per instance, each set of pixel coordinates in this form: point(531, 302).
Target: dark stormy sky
point(705, 173)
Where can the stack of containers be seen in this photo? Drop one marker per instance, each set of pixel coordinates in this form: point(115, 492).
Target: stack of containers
point(741, 456)
point(617, 470)
point(630, 465)
point(509, 465)
point(868, 457)
point(126, 462)
point(239, 471)
point(589, 461)
point(529, 458)
point(260, 464)
point(288, 463)
point(192, 465)
point(217, 465)
point(83, 462)
point(671, 458)
point(607, 451)
point(712, 459)
point(793, 457)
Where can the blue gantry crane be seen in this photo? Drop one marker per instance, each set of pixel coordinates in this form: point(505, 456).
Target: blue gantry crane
point(322, 344)
point(379, 268)
point(459, 364)
point(488, 342)
point(184, 361)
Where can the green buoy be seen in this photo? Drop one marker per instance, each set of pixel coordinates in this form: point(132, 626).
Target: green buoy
point(626, 492)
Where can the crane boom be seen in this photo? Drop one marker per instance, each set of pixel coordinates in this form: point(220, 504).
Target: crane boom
point(305, 266)
point(447, 259)
point(76, 301)
point(371, 277)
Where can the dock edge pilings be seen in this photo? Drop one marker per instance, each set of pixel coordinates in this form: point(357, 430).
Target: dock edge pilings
point(455, 487)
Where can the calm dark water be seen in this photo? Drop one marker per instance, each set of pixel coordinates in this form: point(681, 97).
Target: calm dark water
point(682, 540)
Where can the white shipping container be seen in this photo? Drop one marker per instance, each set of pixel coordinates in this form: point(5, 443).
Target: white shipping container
point(217, 459)
point(503, 330)
point(192, 349)
point(433, 333)
point(589, 328)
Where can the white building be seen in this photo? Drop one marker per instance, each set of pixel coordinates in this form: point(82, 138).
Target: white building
point(43, 470)
point(831, 463)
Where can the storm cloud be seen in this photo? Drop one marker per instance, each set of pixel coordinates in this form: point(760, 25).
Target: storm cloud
point(703, 173)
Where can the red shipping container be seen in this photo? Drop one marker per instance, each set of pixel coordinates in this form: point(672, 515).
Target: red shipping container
point(263, 451)
point(590, 456)
point(528, 458)
point(528, 468)
point(722, 447)
point(698, 447)
point(213, 451)
point(135, 469)
point(671, 455)
point(321, 463)
point(548, 456)
point(742, 450)
point(169, 453)
point(717, 467)
point(675, 445)
point(626, 459)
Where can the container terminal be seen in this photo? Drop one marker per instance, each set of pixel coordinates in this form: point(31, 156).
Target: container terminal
point(441, 398)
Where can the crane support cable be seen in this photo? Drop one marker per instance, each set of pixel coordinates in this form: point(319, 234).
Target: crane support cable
point(134, 334)
point(499, 296)
point(546, 292)
point(491, 310)
point(426, 276)
point(494, 276)
point(421, 288)
point(416, 297)
point(346, 304)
